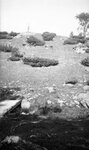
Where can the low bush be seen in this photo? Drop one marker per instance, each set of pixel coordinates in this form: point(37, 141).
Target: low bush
point(35, 41)
point(85, 62)
point(74, 40)
point(14, 58)
point(16, 53)
point(6, 48)
point(5, 35)
point(13, 34)
point(70, 41)
point(39, 62)
point(47, 36)
point(78, 37)
point(3, 32)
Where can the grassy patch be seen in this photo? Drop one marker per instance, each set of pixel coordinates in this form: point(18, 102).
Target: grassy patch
point(40, 62)
point(6, 48)
point(32, 40)
point(85, 62)
point(47, 36)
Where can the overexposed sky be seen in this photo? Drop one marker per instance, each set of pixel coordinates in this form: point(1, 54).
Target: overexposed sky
point(41, 15)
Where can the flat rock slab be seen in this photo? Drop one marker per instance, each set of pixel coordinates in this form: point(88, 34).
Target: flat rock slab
point(6, 105)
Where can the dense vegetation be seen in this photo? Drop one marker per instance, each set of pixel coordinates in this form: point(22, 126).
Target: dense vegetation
point(47, 36)
point(40, 62)
point(32, 40)
point(75, 40)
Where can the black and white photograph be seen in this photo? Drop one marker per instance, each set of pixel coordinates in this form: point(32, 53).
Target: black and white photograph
point(44, 74)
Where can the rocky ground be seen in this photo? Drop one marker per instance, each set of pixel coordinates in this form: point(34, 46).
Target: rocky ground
point(52, 97)
point(65, 85)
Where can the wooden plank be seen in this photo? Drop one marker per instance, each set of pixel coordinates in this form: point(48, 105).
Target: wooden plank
point(7, 106)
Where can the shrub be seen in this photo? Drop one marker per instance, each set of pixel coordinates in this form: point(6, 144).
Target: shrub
point(13, 34)
point(35, 41)
point(48, 36)
point(70, 41)
point(5, 35)
point(3, 32)
point(14, 58)
point(6, 48)
point(16, 53)
point(39, 62)
point(85, 62)
point(74, 40)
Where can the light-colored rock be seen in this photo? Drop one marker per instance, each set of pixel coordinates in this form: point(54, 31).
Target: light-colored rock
point(49, 102)
point(76, 102)
point(84, 99)
point(11, 139)
point(51, 89)
point(60, 102)
point(86, 87)
point(25, 106)
point(75, 97)
point(80, 50)
point(83, 96)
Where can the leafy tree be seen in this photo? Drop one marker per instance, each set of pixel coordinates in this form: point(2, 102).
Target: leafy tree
point(84, 22)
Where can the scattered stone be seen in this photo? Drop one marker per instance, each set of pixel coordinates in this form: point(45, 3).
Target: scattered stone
point(75, 97)
point(83, 96)
point(76, 102)
point(60, 102)
point(86, 87)
point(51, 89)
point(49, 102)
point(80, 48)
